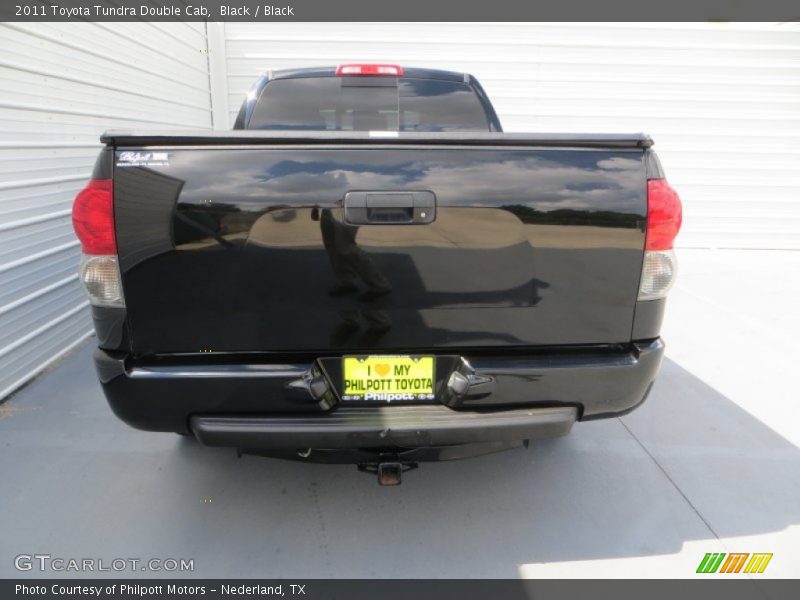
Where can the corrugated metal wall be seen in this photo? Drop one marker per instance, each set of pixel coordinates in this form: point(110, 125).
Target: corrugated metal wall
point(62, 85)
point(721, 100)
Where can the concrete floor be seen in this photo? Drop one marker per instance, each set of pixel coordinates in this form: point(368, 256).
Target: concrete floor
point(709, 464)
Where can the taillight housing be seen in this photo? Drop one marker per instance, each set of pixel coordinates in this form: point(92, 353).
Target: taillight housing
point(369, 70)
point(664, 216)
point(93, 221)
point(93, 217)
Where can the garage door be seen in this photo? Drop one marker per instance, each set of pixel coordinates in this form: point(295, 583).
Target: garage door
point(62, 85)
point(721, 100)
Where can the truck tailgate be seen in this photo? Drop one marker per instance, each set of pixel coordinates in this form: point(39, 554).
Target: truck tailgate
point(244, 247)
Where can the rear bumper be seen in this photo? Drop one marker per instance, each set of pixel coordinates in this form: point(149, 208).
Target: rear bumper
point(381, 427)
point(289, 400)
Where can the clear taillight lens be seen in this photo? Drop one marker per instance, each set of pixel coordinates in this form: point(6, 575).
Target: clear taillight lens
point(100, 277)
point(658, 274)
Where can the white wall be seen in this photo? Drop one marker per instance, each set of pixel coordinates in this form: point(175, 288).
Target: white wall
point(721, 100)
point(61, 85)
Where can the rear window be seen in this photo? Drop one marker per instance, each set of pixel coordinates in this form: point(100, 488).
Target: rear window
point(377, 104)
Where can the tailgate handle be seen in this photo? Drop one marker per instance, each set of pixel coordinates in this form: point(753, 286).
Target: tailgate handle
point(389, 208)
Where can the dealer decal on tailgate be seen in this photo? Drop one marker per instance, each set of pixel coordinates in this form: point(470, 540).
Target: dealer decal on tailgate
point(388, 378)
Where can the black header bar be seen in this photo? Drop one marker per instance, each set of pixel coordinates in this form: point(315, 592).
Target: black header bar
point(403, 10)
point(394, 589)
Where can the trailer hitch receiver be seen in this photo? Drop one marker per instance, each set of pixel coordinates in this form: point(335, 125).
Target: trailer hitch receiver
point(389, 472)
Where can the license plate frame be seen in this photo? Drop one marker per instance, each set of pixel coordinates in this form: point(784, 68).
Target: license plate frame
point(389, 378)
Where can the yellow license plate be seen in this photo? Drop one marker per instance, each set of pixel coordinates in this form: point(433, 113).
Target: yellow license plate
point(388, 378)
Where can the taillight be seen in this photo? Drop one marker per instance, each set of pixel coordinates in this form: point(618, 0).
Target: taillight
point(370, 70)
point(664, 215)
point(93, 220)
point(93, 217)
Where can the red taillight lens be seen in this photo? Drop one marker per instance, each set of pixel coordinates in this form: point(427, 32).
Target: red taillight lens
point(370, 70)
point(664, 215)
point(93, 217)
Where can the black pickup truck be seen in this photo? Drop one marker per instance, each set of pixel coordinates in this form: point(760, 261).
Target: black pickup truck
point(368, 270)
